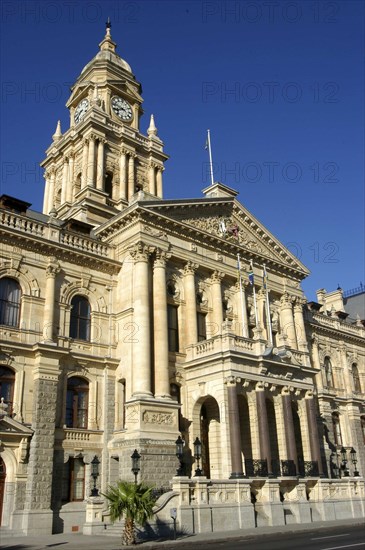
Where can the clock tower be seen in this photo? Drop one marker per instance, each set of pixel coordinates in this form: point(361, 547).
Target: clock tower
point(97, 167)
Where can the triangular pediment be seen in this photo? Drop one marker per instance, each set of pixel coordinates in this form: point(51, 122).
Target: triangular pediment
point(227, 220)
point(10, 426)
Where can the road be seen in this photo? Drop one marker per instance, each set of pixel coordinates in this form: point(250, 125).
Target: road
point(307, 537)
point(335, 538)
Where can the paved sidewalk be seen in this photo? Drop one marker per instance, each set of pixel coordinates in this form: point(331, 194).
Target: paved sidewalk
point(102, 542)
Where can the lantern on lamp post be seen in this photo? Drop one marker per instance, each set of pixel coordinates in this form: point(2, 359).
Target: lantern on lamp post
point(197, 455)
point(353, 459)
point(136, 458)
point(95, 474)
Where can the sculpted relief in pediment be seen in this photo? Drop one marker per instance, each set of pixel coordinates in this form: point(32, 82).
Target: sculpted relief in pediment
point(228, 228)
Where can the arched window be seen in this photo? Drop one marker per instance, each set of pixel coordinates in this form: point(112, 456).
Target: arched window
point(7, 382)
point(80, 318)
point(10, 294)
point(356, 378)
point(77, 402)
point(336, 429)
point(328, 375)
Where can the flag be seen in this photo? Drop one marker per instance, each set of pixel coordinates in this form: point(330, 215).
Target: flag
point(206, 144)
point(250, 275)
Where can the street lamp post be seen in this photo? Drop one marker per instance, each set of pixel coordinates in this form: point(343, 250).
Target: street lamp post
point(179, 453)
point(136, 457)
point(197, 455)
point(95, 474)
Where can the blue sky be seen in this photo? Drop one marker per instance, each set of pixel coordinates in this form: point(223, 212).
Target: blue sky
point(280, 85)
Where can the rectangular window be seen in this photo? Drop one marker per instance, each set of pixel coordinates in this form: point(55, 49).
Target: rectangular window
point(202, 326)
point(73, 482)
point(173, 328)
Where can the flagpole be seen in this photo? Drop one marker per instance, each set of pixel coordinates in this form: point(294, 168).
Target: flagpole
point(254, 296)
point(268, 315)
point(210, 159)
point(241, 294)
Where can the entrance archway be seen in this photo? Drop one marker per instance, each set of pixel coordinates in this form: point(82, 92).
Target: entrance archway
point(210, 437)
point(2, 485)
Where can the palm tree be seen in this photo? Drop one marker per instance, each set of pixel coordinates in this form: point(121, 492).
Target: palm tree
point(133, 501)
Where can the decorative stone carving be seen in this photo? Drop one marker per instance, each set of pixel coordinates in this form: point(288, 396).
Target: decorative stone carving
point(153, 417)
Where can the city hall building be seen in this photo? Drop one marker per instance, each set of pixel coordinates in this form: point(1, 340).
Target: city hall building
point(128, 320)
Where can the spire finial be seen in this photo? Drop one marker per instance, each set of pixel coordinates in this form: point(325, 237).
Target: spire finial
point(58, 133)
point(152, 130)
point(107, 43)
point(108, 26)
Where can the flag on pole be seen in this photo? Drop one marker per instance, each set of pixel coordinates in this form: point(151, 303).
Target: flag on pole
point(250, 275)
point(206, 144)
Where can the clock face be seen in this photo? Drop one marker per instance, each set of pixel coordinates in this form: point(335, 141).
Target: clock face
point(81, 110)
point(122, 108)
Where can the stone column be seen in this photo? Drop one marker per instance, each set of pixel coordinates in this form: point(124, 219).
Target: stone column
point(100, 166)
point(131, 176)
point(345, 368)
point(299, 325)
point(241, 309)
point(37, 514)
point(217, 314)
point(85, 155)
point(152, 178)
point(162, 380)
point(191, 327)
point(159, 183)
point(264, 435)
point(141, 318)
point(70, 178)
point(48, 316)
point(287, 321)
point(261, 312)
point(234, 430)
point(291, 447)
point(91, 162)
point(313, 431)
point(123, 175)
point(51, 191)
point(46, 192)
point(317, 362)
point(64, 180)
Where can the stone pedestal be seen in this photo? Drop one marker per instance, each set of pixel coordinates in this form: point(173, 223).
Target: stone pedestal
point(94, 524)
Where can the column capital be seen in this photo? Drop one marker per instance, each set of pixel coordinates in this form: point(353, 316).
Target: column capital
point(309, 394)
point(286, 300)
point(140, 252)
point(190, 268)
point(216, 277)
point(52, 268)
point(287, 390)
point(261, 386)
point(161, 257)
point(232, 380)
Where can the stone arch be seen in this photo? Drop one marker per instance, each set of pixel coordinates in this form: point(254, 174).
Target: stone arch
point(69, 290)
point(28, 283)
point(8, 485)
point(207, 416)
